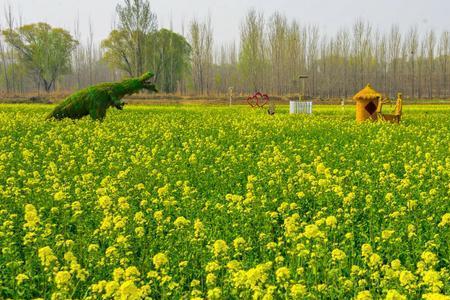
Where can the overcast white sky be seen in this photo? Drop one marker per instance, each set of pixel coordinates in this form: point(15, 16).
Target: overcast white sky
point(227, 15)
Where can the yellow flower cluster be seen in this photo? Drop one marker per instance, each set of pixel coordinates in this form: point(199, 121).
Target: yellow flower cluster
point(46, 256)
point(224, 203)
point(159, 260)
point(31, 217)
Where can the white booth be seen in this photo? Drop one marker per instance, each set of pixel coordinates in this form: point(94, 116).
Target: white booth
point(301, 107)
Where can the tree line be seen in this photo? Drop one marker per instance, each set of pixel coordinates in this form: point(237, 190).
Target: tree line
point(270, 55)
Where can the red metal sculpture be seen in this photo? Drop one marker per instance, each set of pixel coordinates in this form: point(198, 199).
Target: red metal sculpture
point(258, 100)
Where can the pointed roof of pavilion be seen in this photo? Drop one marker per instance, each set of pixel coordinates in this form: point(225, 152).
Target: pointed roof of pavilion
point(367, 93)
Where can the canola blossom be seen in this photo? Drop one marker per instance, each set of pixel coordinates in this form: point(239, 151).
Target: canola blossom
point(224, 203)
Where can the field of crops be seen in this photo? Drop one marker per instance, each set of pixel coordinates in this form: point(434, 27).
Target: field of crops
point(224, 203)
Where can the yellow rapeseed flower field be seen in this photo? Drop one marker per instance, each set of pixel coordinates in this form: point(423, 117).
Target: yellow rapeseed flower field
point(197, 202)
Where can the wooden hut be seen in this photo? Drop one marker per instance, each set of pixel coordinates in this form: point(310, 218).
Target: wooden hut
point(366, 104)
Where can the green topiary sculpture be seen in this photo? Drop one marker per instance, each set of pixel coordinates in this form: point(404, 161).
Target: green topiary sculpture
point(95, 100)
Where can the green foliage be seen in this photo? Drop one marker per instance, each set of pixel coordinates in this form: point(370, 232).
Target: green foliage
point(166, 52)
point(127, 46)
point(43, 50)
point(137, 45)
point(119, 54)
point(95, 100)
point(170, 52)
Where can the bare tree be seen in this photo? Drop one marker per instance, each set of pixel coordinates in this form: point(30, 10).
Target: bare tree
point(271, 54)
point(430, 41)
point(8, 53)
point(3, 57)
point(78, 54)
point(278, 33)
point(444, 52)
point(312, 57)
point(394, 51)
point(201, 39)
point(294, 60)
point(252, 56)
point(90, 52)
point(413, 46)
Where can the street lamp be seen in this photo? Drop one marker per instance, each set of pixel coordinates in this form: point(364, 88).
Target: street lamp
point(413, 75)
point(302, 80)
point(230, 94)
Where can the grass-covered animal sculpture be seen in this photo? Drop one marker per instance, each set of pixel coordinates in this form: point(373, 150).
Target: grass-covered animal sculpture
point(95, 100)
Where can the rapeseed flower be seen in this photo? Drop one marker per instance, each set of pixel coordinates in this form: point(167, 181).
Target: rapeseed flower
point(31, 217)
point(298, 290)
point(282, 274)
point(129, 291)
point(312, 231)
point(239, 243)
point(62, 278)
point(338, 255)
point(394, 295)
point(160, 260)
point(105, 202)
point(212, 266)
point(250, 217)
point(215, 294)
point(211, 279)
point(386, 234)
point(21, 278)
point(406, 278)
point(181, 222)
point(435, 296)
point(366, 250)
point(364, 295)
point(220, 248)
point(429, 258)
point(46, 256)
point(331, 221)
point(132, 273)
point(432, 279)
point(59, 196)
point(110, 288)
point(445, 220)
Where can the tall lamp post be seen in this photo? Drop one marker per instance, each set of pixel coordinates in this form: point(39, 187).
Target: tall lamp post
point(230, 94)
point(301, 107)
point(302, 80)
point(413, 75)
